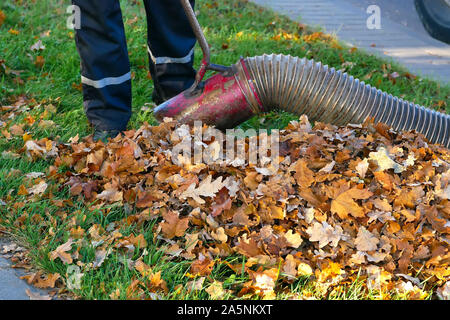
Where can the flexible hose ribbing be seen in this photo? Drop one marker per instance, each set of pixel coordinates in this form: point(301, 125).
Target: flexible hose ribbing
point(303, 86)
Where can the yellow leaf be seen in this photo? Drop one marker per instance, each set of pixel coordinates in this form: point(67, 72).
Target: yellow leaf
point(293, 239)
point(215, 290)
point(26, 137)
point(77, 233)
point(304, 269)
point(14, 32)
point(383, 160)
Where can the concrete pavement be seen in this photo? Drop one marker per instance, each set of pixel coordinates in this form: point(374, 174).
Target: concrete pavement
point(11, 286)
point(401, 36)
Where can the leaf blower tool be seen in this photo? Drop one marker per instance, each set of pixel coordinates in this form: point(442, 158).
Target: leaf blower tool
point(259, 84)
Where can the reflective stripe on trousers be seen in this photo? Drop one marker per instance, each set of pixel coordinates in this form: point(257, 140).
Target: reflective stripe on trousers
point(105, 67)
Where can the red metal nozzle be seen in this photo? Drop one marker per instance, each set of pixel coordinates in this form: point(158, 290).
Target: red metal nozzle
point(299, 86)
point(225, 100)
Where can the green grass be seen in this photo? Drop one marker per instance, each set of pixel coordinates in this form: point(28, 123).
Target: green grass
point(234, 29)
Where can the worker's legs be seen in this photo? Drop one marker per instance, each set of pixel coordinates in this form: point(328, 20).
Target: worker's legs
point(171, 44)
point(105, 67)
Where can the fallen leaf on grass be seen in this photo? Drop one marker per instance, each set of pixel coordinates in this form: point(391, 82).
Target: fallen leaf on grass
point(195, 285)
point(202, 267)
point(61, 252)
point(38, 46)
point(2, 17)
point(16, 130)
point(206, 188)
point(9, 155)
point(38, 189)
point(173, 226)
point(73, 279)
point(42, 282)
point(384, 161)
point(216, 290)
point(37, 296)
point(14, 32)
point(344, 204)
point(325, 234)
point(100, 256)
point(366, 241)
point(39, 62)
point(111, 195)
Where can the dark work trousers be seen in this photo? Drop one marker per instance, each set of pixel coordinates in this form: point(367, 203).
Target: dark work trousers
point(105, 67)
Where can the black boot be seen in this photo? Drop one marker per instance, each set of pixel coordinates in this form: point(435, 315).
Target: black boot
point(105, 135)
point(171, 43)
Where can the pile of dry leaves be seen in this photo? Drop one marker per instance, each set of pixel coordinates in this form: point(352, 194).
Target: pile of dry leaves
point(360, 201)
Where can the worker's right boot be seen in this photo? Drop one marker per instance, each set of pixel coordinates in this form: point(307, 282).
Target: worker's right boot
point(171, 42)
point(105, 135)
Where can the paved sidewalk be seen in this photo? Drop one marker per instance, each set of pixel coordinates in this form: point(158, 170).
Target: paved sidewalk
point(401, 36)
point(11, 286)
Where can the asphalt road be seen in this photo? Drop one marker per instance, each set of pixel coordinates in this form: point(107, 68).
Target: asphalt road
point(400, 37)
point(400, 11)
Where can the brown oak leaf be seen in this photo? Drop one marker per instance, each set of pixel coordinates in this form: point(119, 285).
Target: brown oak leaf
point(173, 226)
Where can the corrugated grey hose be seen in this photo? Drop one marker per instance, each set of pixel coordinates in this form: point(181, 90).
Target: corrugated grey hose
point(303, 86)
